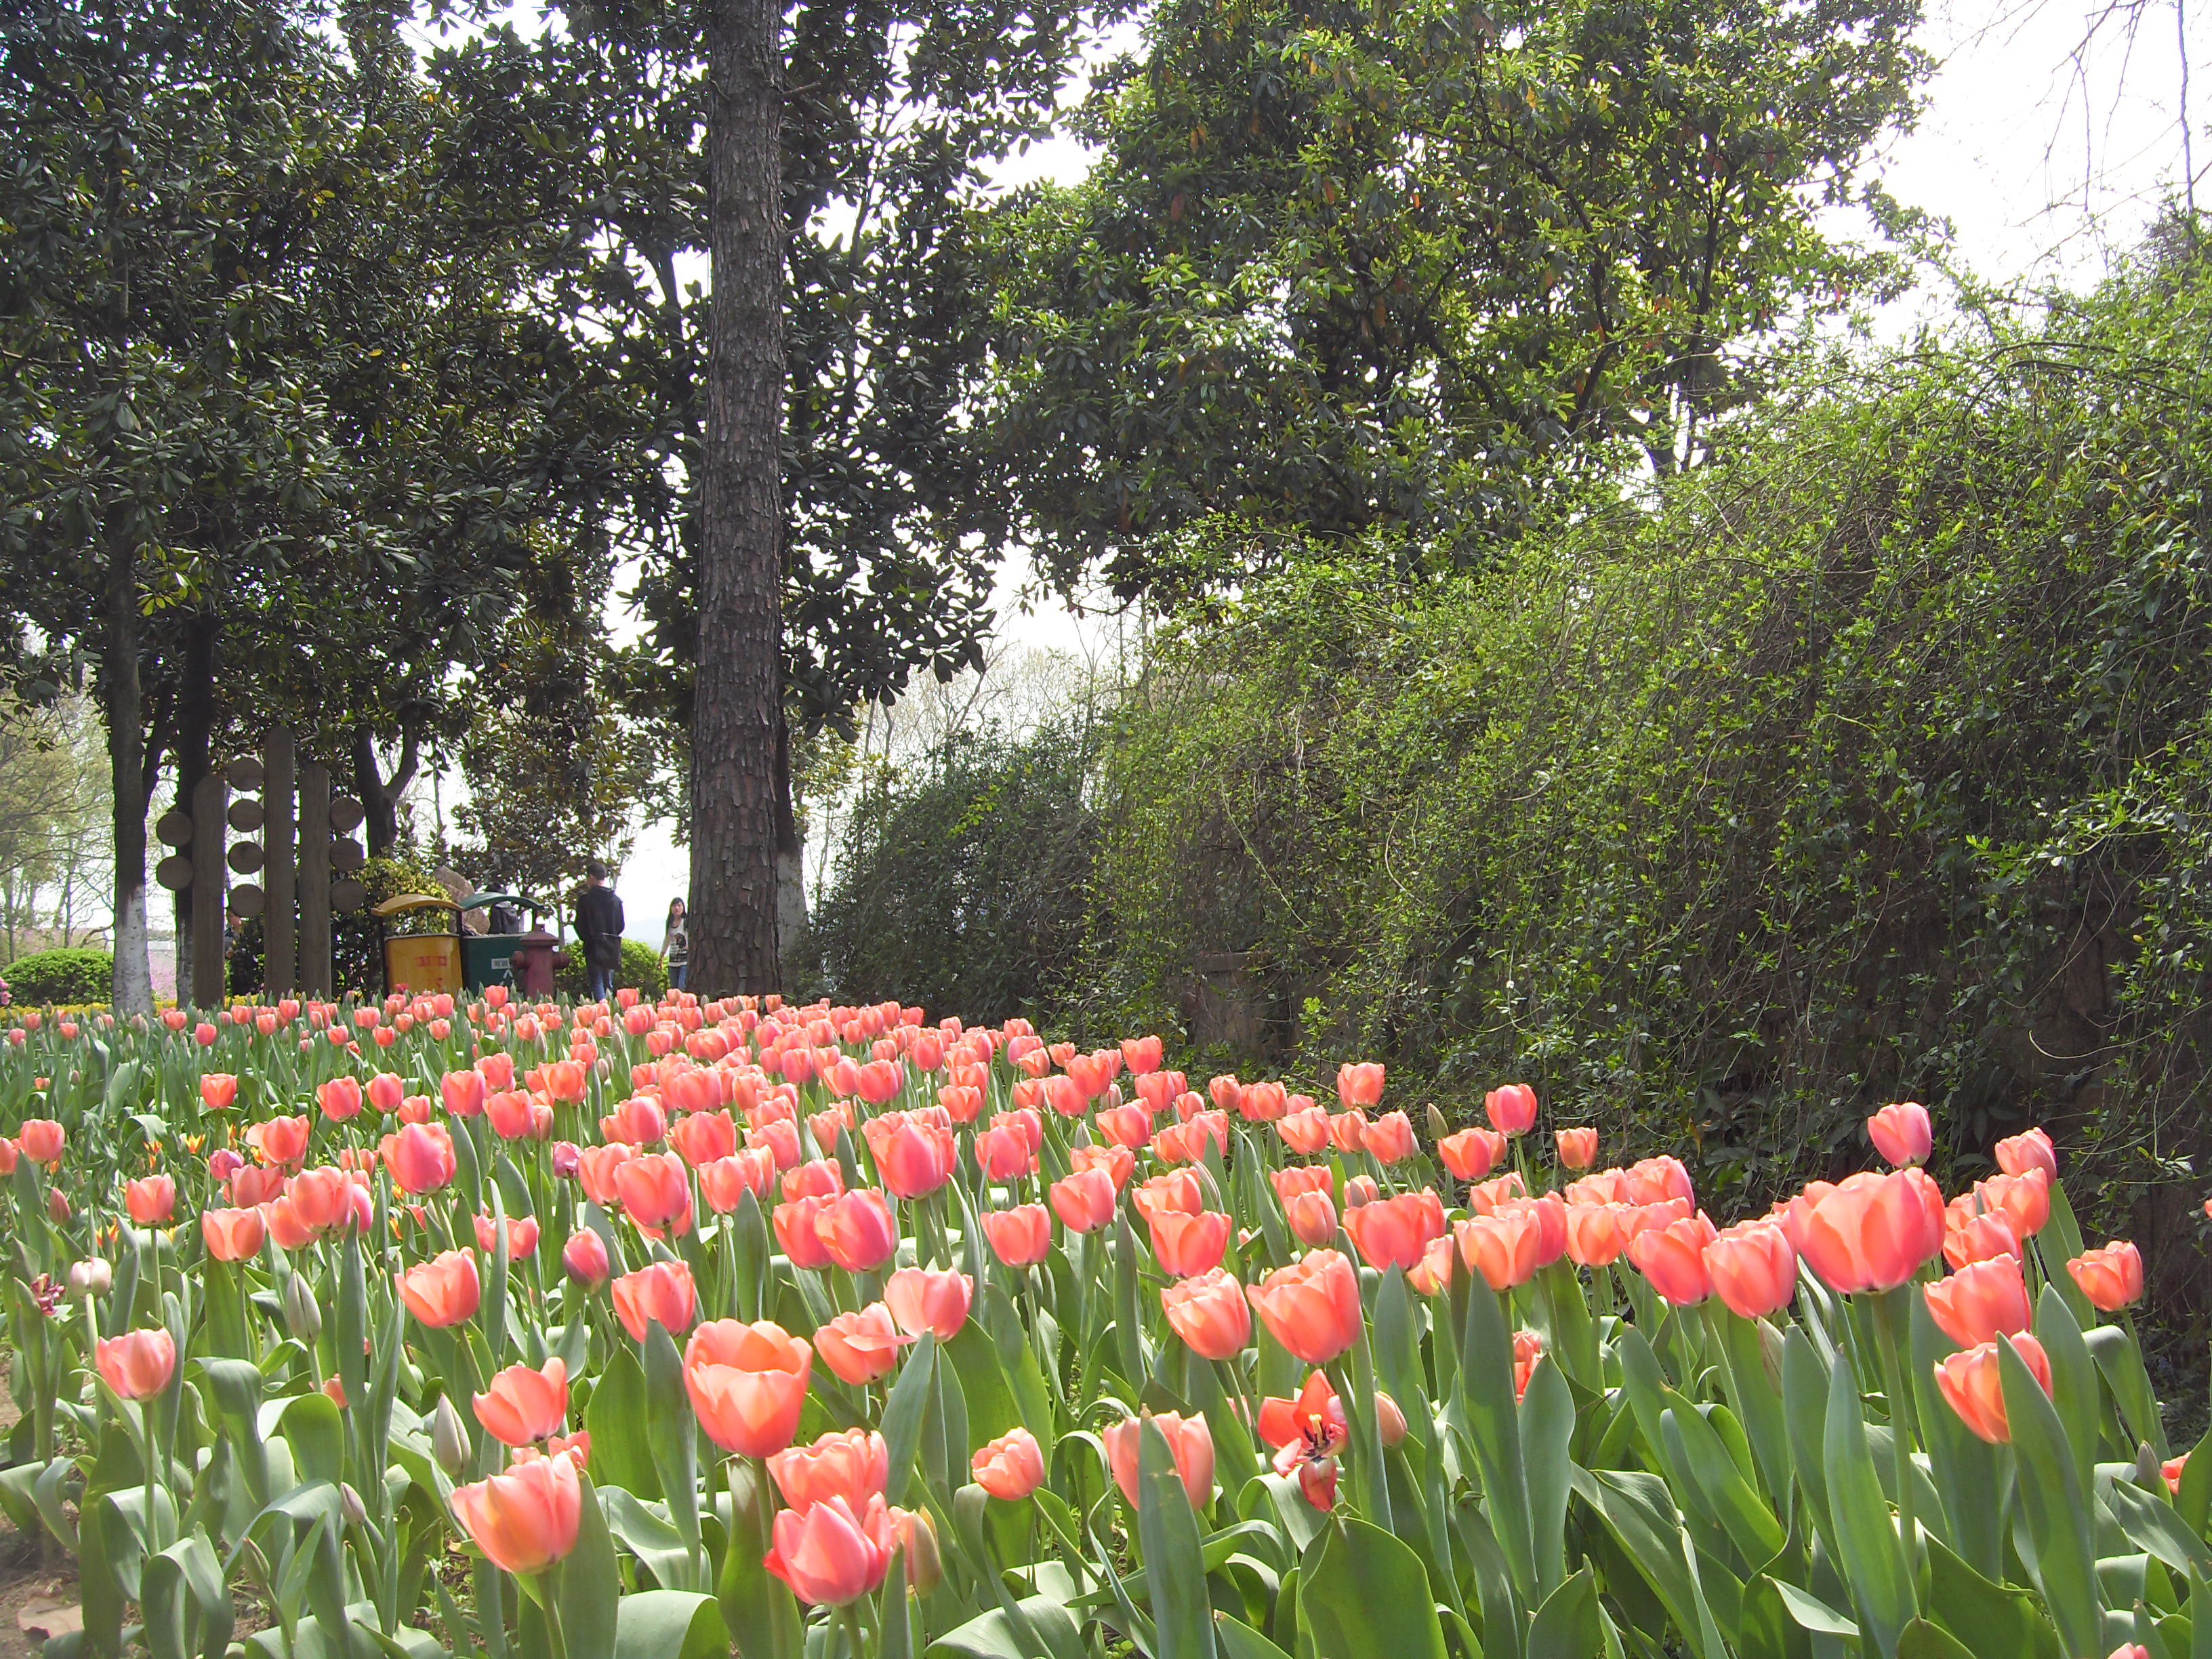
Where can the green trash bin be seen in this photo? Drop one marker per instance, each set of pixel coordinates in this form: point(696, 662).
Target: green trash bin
point(488, 959)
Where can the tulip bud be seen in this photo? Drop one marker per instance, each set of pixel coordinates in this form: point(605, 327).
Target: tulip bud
point(1439, 1125)
point(449, 1437)
point(925, 1565)
point(303, 1314)
point(350, 1504)
point(90, 1276)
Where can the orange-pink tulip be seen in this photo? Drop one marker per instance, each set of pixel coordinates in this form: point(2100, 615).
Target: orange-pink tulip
point(1872, 1232)
point(1578, 1147)
point(151, 1200)
point(1471, 1154)
point(232, 1235)
point(1511, 1109)
point(928, 1299)
point(853, 1465)
point(1185, 1245)
point(1208, 1312)
point(857, 1231)
point(1396, 1232)
point(1972, 1382)
point(2030, 1150)
point(1673, 1258)
point(138, 1364)
point(420, 1158)
point(661, 1294)
point(524, 1520)
point(2110, 1278)
point(828, 1554)
point(747, 1383)
point(861, 1346)
point(1009, 1467)
point(1389, 1138)
point(1189, 1439)
point(218, 1090)
point(1312, 1306)
point(1981, 1301)
point(1305, 1131)
point(523, 1405)
point(1020, 1236)
point(654, 1190)
point(1504, 1248)
point(443, 1291)
point(1754, 1268)
point(1359, 1083)
point(584, 1257)
point(1311, 1215)
point(1901, 1132)
point(1085, 1201)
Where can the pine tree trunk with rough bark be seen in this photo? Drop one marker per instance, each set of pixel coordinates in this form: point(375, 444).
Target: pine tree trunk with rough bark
point(735, 944)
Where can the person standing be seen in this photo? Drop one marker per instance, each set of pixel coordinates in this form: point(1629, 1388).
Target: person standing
point(675, 943)
point(599, 925)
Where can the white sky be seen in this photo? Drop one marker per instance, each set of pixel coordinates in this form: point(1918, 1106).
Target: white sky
point(2045, 163)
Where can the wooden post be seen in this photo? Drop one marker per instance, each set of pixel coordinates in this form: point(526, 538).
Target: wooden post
point(280, 973)
point(316, 968)
point(210, 959)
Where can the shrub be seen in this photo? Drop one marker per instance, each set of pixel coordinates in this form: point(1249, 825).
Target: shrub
point(77, 975)
point(1867, 766)
point(643, 969)
point(963, 882)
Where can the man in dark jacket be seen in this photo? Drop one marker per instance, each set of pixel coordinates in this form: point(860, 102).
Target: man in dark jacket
point(599, 925)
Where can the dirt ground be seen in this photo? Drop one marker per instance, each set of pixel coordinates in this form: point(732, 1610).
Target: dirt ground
point(38, 1597)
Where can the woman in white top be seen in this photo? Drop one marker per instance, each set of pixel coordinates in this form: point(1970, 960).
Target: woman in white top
point(675, 943)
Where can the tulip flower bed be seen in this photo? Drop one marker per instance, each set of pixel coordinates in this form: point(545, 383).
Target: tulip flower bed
point(650, 1332)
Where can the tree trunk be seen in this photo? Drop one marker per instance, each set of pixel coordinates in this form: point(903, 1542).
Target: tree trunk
point(790, 860)
point(132, 988)
point(195, 759)
point(735, 944)
point(381, 797)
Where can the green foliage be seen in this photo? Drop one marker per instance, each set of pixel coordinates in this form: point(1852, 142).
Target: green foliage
point(1345, 267)
point(643, 969)
point(1868, 766)
point(962, 883)
point(77, 975)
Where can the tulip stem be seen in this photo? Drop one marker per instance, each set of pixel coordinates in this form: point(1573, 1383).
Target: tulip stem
point(1893, 1384)
point(855, 1637)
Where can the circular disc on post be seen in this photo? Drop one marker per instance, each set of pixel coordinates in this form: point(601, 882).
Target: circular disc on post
point(175, 872)
point(246, 899)
point(244, 773)
point(346, 814)
point(348, 895)
point(174, 829)
point(246, 856)
point(346, 856)
point(244, 816)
